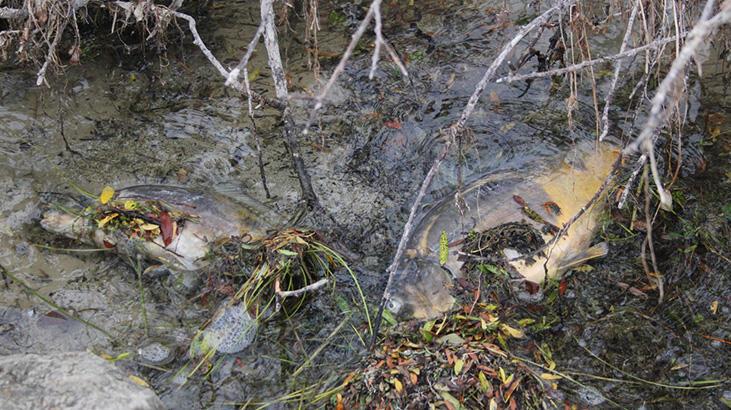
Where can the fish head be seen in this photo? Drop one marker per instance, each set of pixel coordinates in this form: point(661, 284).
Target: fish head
point(66, 224)
point(420, 290)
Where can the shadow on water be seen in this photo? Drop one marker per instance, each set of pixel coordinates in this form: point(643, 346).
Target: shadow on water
point(121, 122)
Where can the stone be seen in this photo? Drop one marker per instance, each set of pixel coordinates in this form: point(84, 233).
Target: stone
point(72, 380)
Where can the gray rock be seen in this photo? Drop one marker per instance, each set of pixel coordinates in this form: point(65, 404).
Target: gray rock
point(74, 380)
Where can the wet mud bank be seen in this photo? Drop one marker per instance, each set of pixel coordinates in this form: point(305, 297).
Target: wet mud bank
point(597, 337)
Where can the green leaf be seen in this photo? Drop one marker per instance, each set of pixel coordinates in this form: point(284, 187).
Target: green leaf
point(287, 252)
point(452, 400)
point(388, 317)
point(443, 248)
point(484, 384)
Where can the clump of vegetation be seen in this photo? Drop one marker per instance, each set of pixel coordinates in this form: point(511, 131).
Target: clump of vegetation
point(460, 361)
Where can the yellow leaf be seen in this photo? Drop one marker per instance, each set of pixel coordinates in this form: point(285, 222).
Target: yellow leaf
point(100, 223)
point(513, 332)
point(148, 227)
point(443, 248)
point(138, 381)
point(397, 384)
point(106, 195)
point(714, 307)
point(458, 365)
point(550, 376)
point(130, 205)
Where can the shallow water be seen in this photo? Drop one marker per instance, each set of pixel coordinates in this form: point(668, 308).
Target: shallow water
point(118, 121)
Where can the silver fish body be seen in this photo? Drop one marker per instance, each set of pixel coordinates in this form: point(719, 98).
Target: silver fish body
point(215, 217)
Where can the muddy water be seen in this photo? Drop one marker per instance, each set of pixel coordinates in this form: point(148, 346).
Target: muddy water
point(125, 119)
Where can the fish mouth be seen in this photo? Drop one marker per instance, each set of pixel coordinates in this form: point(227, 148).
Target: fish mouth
point(65, 224)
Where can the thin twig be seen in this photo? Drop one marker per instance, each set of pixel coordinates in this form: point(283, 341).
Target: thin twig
point(233, 76)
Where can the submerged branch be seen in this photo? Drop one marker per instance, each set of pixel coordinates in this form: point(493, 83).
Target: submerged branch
point(280, 86)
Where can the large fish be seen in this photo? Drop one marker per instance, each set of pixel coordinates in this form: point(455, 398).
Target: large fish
point(215, 217)
point(422, 287)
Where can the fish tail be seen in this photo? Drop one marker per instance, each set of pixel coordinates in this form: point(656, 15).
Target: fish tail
point(599, 250)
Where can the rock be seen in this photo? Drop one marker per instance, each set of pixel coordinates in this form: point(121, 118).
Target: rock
point(74, 380)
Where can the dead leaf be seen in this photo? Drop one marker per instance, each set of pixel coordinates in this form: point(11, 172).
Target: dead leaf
point(102, 222)
point(393, 124)
point(397, 385)
point(166, 228)
point(550, 376)
point(512, 332)
point(458, 365)
point(138, 381)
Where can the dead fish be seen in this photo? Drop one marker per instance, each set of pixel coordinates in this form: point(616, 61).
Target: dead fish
point(422, 287)
point(216, 217)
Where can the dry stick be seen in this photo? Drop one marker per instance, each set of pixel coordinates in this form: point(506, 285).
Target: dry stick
point(617, 68)
point(576, 67)
point(667, 90)
point(282, 294)
point(452, 134)
point(280, 86)
point(197, 41)
point(381, 41)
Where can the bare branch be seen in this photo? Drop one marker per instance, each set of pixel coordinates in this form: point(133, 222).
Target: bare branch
point(667, 91)
point(576, 67)
point(280, 86)
point(199, 42)
point(381, 41)
point(374, 11)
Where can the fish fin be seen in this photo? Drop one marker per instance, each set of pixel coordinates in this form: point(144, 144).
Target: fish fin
point(234, 191)
point(597, 251)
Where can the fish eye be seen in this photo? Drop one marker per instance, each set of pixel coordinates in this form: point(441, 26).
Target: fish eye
point(393, 305)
